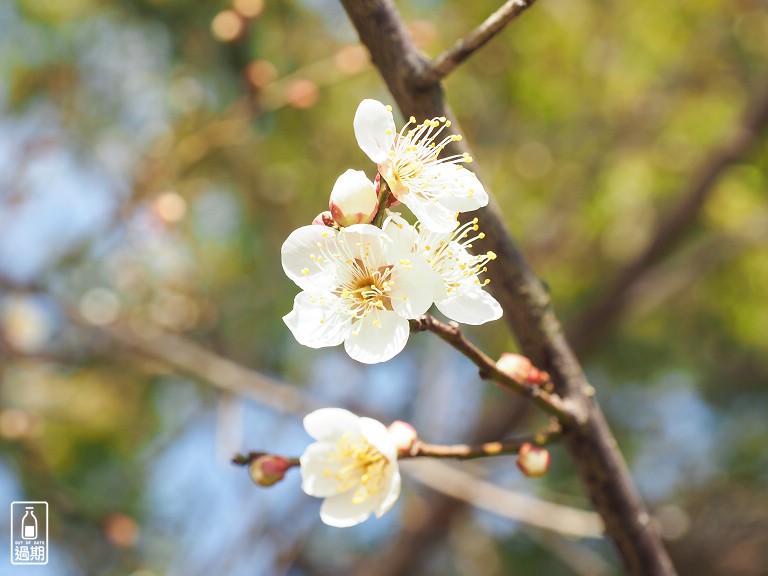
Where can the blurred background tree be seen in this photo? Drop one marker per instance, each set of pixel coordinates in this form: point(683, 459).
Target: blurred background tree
point(154, 154)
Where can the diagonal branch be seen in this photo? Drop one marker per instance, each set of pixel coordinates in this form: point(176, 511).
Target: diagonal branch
point(449, 60)
point(450, 333)
point(466, 486)
point(598, 319)
point(221, 372)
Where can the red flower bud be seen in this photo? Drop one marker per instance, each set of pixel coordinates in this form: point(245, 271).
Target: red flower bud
point(268, 470)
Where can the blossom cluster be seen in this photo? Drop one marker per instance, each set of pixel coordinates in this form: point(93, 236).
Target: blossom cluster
point(362, 283)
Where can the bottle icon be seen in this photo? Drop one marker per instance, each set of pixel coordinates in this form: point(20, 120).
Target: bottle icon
point(29, 524)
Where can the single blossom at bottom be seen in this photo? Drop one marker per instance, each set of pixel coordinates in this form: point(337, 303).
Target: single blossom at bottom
point(353, 466)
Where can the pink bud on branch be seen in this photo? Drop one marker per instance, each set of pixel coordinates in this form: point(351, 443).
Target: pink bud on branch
point(404, 435)
point(533, 461)
point(353, 199)
point(268, 470)
point(520, 369)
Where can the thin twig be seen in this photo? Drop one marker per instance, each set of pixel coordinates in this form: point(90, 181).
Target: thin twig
point(449, 60)
point(458, 451)
point(450, 333)
point(486, 449)
point(219, 371)
point(246, 459)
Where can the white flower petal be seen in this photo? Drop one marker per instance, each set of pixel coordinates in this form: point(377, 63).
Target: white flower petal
point(377, 338)
point(416, 286)
point(353, 198)
point(374, 129)
point(471, 307)
point(432, 215)
point(404, 236)
point(317, 470)
point(341, 512)
point(298, 264)
point(379, 437)
point(366, 242)
point(316, 321)
point(392, 494)
point(460, 190)
point(330, 424)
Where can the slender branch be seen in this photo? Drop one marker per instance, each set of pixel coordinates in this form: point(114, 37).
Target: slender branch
point(449, 60)
point(486, 449)
point(246, 459)
point(450, 333)
point(459, 451)
point(482, 494)
point(210, 367)
point(598, 319)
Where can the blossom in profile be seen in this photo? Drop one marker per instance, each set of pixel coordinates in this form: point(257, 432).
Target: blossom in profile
point(359, 288)
point(461, 296)
point(352, 465)
point(435, 189)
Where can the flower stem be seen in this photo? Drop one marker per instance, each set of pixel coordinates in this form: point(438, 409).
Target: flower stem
point(459, 451)
point(469, 451)
point(246, 459)
point(450, 333)
point(384, 193)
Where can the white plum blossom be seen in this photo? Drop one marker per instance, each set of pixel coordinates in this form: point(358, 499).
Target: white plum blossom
point(461, 296)
point(353, 199)
point(359, 288)
point(433, 188)
point(353, 466)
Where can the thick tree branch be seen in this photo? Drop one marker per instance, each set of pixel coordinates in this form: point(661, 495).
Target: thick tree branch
point(450, 333)
point(600, 317)
point(449, 60)
point(528, 311)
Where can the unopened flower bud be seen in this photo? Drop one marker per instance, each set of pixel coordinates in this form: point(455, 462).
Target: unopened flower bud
point(515, 366)
point(323, 219)
point(268, 470)
point(520, 369)
point(353, 199)
point(533, 461)
point(404, 436)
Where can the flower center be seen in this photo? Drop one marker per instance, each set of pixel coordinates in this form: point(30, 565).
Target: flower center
point(414, 151)
point(362, 470)
point(448, 256)
point(367, 290)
